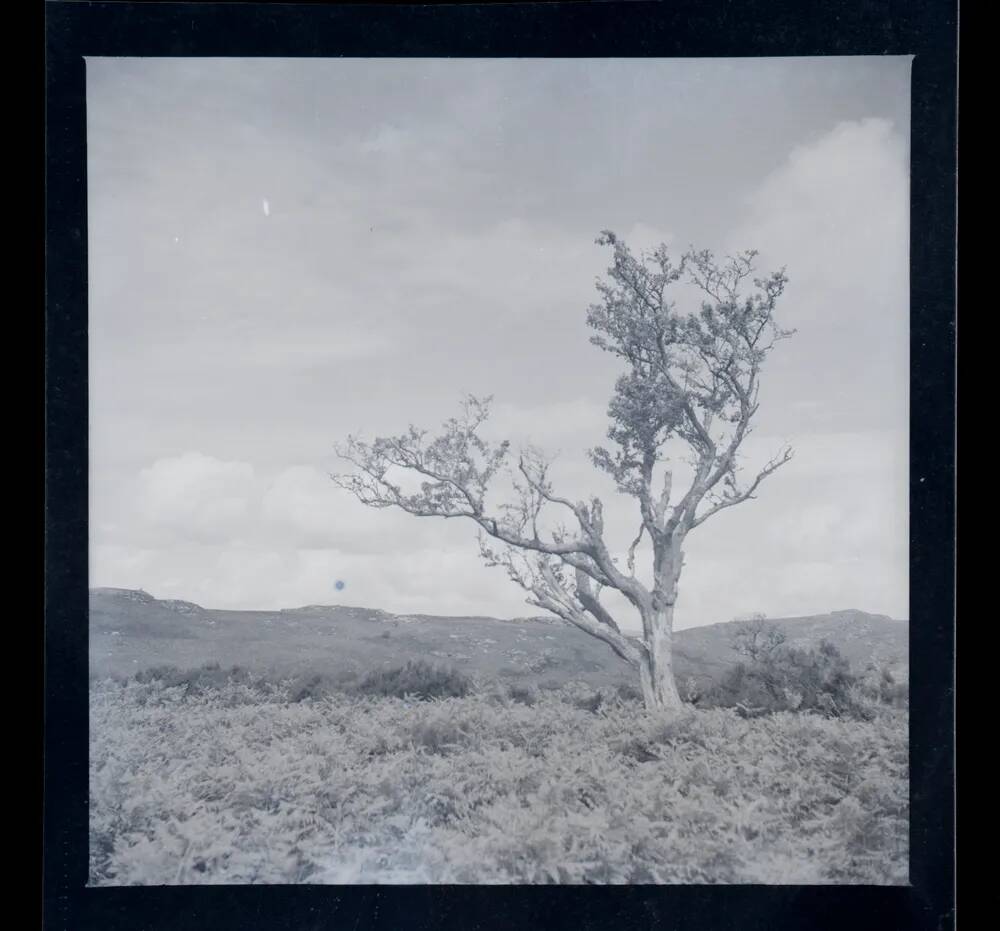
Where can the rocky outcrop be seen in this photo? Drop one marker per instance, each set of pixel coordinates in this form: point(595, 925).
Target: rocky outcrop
point(187, 608)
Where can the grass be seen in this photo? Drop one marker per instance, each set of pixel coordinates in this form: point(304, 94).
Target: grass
point(233, 780)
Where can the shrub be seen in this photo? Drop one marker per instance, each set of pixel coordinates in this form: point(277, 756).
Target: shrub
point(440, 734)
point(879, 684)
point(583, 696)
point(209, 677)
point(757, 639)
point(542, 663)
point(304, 688)
point(418, 679)
point(692, 691)
point(629, 693)
point(590, 702)
point(168, 675)
point(784, 678)
point(523, 694)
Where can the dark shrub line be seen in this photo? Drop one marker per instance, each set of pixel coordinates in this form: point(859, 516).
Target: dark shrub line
point(780, 678)
point(418, 679)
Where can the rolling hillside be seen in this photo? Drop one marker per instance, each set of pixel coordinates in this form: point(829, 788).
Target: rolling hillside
point(131, 631)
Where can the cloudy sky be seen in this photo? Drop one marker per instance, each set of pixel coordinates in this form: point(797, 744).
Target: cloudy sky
point(286, 251)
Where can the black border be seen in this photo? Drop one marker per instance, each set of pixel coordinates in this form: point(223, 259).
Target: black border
point(926, 29)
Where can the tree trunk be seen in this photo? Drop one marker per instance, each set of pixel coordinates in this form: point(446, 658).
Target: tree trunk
point(656, 667)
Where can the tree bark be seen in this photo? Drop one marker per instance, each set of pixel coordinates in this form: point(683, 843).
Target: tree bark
point(656, 667)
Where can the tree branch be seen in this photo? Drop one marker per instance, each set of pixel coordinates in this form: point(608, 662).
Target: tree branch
point(632, 548)
point(737, 497)
point(586, 596)
point(553, 597)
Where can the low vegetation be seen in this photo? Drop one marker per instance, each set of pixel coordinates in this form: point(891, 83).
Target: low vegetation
point(774, 676)
point(417, 679)
point(417, 775)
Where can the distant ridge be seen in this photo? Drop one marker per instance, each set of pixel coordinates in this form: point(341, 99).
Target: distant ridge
point(130, 630)
point(845, 614)
point(372, 613)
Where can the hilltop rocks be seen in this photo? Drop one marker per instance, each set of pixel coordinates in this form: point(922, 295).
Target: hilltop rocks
point(853, 614)
point(137, 596)
point(187, 608)
point(141, 597)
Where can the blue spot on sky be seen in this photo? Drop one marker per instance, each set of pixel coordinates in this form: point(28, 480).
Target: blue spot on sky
point(339, 585)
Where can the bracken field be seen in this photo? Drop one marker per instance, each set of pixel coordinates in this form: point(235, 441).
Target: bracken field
point(250, 781)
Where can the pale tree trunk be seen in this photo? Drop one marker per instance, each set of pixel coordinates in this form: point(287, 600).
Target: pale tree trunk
point(656, 667)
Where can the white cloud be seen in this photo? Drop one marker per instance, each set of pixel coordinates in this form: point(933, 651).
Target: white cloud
point(836, 213)
point(302, 507)
point(197, 495)
point(883, 454)
point(121, 565)
point(514, 267)
point(304, 500)
point(216, 532)
point(837, 210)
point(263, 574)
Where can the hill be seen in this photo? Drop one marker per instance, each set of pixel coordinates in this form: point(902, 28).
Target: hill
point(132, 630)
point(862, 638)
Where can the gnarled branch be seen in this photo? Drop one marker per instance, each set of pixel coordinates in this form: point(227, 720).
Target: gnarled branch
point(735, 496)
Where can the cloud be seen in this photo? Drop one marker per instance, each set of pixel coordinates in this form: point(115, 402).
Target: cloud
point(265, 574)
point(514, 266)
point(839, 205)
point(829, 530)
point(302, 507)
point(121, 565)
point(217, 532)
point(386, 140)
point(305, 501)
point(197, 495)
point(836, 214)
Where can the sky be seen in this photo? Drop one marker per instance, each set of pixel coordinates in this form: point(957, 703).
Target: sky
point(283, 252)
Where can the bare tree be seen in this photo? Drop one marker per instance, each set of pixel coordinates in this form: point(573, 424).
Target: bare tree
point(690, 386)
point(757, 639)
